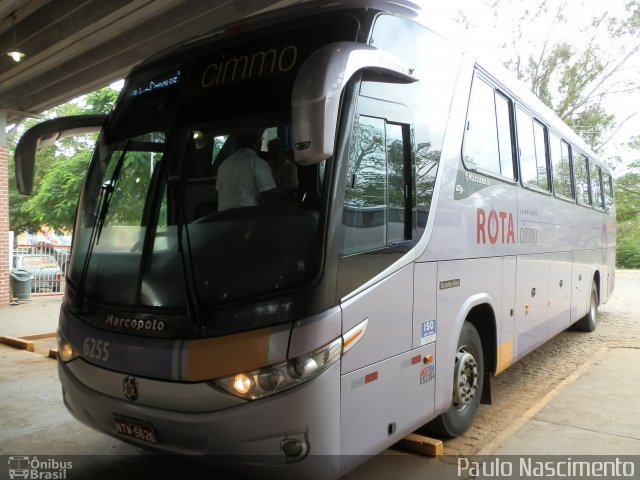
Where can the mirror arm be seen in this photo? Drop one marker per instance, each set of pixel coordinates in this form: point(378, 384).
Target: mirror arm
point(44, 135)
point(318, 88)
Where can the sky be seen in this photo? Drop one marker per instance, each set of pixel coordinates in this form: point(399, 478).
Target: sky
point(487, 35)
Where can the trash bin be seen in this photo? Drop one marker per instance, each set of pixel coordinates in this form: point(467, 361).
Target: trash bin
point(21, 284)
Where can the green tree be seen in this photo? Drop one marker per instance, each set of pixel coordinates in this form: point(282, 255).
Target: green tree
point(627, 189)
point(628, 195)
point(573, 79)
point(21, 218)
point(59, 171)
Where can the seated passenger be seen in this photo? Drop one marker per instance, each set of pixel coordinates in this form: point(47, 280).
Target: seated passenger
point(284, 172)
point(245, 179)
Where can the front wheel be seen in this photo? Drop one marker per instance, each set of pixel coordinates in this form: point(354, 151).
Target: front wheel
point(590, 320)
point(468, 375)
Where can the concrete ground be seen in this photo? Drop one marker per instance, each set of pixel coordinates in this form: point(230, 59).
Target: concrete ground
point(31, 317)
point(594, 411)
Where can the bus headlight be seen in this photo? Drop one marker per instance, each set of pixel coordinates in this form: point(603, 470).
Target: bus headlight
point(276, 378)
point(243, 384)
point(66, 352)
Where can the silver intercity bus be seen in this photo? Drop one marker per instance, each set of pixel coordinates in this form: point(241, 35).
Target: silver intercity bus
point(444, 224)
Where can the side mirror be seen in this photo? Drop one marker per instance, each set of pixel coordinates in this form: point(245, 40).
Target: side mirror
point(318, 88)
point(44, 135)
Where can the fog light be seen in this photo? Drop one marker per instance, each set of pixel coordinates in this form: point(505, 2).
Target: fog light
point(294, 448)
point(66, 352)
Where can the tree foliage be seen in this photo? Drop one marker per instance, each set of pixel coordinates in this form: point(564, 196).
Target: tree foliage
point(59, 171)
point(628, 195)
point(628, 214)
point(579, 63)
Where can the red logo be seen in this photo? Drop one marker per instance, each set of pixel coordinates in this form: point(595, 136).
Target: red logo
point(496, 227)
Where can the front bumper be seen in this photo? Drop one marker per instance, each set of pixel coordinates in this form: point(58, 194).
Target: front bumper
point(247, 436)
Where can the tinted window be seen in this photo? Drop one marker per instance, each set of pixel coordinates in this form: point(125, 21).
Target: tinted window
point(379, 208)
point(561, 164)
point(505, 140)
point(532, 148)
point(581, 177)
point(487, 141)
point(257, 74)
point(596, 186)
point(160, 239)
point(608, 192)
point(374, 205)
point(480, 149)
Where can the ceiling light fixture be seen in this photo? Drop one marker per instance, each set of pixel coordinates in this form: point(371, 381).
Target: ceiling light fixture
point(16, 54)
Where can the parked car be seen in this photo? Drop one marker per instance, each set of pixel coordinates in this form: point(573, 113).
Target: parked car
point(47, 274)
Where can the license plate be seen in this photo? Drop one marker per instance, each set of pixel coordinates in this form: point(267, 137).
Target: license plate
point(137, 429)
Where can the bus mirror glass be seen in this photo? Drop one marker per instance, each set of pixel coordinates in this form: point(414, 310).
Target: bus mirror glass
point(44, 135)
point(318, 89)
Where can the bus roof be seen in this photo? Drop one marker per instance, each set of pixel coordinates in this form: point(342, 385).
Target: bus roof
point(401, 7)
point(287, 10)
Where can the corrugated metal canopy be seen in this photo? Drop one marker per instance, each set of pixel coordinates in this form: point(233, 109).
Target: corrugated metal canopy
point(74, 46)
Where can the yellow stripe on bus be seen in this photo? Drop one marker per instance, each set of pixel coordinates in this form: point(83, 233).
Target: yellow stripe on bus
point(505, 356)
point(221, 356)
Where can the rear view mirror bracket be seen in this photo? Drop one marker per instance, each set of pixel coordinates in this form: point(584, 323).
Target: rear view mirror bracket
point(44, 135)
point(318, 88)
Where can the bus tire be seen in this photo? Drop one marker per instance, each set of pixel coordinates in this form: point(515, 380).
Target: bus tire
point(468, 377)
point(590, 320)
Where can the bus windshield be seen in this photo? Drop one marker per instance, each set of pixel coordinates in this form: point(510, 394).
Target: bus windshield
point(150, 228)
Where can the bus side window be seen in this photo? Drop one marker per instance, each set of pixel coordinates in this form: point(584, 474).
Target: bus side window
point(487, 140)
point(608, 193)
point(375, 207)
point(561, 165)
point(532, 146)
point(379, 202)
point(596, 186)
point(581, 179)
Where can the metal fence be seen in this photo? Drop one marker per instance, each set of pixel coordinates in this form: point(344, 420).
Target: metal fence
point(46, 265)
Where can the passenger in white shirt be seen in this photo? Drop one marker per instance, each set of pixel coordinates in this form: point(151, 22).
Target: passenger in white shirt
point(245, 179)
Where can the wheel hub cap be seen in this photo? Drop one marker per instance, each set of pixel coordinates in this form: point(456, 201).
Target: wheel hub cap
point(465, 379)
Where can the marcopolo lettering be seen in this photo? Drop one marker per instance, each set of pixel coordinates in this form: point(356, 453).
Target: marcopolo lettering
point(256, 64)
point(154, 325)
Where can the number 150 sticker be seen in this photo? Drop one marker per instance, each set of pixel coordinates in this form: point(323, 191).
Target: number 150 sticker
point(428, 332)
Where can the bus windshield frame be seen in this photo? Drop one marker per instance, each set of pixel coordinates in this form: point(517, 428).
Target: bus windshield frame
point(147, 217)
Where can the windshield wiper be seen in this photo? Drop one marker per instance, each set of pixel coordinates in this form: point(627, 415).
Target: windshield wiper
point(102, 208)
point(188, 269)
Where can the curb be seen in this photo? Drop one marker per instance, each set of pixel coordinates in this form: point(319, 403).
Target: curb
point(503, 437)
point(18, 342)
point(28, 343)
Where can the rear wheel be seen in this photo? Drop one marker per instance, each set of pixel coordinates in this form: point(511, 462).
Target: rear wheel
point(468, 375)
point(589, 321)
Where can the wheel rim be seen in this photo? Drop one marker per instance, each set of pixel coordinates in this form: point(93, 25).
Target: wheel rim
point(465, 379)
